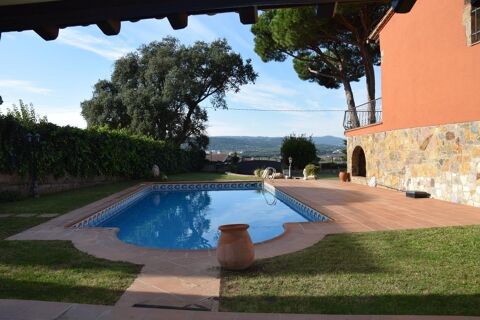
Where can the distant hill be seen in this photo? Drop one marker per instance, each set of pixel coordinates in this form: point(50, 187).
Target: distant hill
point(267, 146)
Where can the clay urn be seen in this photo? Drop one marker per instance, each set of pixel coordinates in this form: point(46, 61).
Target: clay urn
point(343, 176)
point(235, 248)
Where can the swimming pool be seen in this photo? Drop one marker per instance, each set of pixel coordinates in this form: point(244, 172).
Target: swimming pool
point(187, 216)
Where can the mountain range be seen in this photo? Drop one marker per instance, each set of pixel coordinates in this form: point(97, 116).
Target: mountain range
point(267, 146)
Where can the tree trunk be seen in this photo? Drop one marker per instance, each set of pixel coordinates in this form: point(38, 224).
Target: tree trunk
point(370, 81)
point(186, 126)
point(352, 117)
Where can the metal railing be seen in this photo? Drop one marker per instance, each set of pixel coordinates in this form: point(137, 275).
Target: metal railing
point(363, 115)
point(475, 25)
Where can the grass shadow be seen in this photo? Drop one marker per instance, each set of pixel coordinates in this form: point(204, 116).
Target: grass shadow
point(394, 304)
point(429, 271)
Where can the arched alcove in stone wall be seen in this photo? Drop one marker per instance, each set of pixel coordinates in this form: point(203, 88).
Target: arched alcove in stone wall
point(359, 163)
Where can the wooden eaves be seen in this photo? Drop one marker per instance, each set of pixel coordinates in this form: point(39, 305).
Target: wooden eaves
point(47, 17)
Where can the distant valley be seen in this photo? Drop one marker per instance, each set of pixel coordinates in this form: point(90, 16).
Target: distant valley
point(267, 146)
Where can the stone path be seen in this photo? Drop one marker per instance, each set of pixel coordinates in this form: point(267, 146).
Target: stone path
point(191, 278)
point(40, 310)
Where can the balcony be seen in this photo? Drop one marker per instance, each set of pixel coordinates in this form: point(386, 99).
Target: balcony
point(364, 115)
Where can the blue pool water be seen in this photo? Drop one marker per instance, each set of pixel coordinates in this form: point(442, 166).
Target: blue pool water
point(190, 219)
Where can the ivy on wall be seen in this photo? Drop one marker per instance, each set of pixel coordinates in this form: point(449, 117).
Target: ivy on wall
point(87, 153)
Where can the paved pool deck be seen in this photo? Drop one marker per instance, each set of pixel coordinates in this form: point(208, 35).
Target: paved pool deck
point(191, 279)
point(41, 310)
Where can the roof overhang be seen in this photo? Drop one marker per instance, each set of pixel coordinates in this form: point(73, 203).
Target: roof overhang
point(46, 17)
point(375, 35)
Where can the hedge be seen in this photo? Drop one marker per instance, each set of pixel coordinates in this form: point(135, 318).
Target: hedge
point(88, 152)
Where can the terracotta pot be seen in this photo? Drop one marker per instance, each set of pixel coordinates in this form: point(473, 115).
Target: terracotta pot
point(235, 248)
point(343, 176)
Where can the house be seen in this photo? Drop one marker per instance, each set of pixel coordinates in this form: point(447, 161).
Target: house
point(216, 157)
point(428, 135)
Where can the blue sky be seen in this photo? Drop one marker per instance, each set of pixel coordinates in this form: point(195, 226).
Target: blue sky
point(56, 76)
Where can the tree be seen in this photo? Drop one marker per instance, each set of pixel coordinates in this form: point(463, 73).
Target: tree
point(234, 158)
point(157, 90)
point(300, 148)
point(360, 20)
point(25, 114)
point(331, 53)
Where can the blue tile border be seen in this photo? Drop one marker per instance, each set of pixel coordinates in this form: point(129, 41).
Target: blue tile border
point(207, 186)
point(301, 208)
point(101, 216)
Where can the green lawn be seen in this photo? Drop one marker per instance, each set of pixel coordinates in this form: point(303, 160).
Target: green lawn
point(56, 271)
point(431, 271)
point(62, 202)
point(328, 176)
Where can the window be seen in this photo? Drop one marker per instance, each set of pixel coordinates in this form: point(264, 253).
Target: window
point(475, 24)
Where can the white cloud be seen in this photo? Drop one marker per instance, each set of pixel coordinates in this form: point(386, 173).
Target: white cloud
point(23, 85)
point(265, 95)
point(66, 117)
point(107, 48)
point(200, 30)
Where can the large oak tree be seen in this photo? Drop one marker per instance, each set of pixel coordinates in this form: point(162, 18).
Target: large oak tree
point(157, 90)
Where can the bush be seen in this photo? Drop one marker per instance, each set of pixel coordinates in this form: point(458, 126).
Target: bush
point(232, 168)
point(86, 153)
point(312, 170)
point(300, 148)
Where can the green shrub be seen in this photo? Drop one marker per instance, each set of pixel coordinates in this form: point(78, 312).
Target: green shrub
point(312, 170)
point(300, 148)
point(91, 152)
point(232, 168)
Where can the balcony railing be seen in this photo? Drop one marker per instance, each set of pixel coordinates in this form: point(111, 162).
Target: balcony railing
point(363, 115)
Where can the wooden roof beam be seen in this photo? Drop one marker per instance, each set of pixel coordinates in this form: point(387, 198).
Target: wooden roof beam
point(110, 27)
point(48, 33)
point(326, 10)
point(248, 15)
point(178, 21)
point(402, 6)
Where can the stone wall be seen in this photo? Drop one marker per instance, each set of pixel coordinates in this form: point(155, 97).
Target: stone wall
point(443, 160)
point(50, 184)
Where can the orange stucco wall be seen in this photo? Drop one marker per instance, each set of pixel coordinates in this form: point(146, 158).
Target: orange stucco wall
point(430, 75)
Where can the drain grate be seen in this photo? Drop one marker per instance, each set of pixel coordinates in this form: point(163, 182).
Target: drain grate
point(188, 307)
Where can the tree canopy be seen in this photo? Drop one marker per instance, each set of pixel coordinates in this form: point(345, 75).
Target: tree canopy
point(157, 90)
point(300, 148)
point(331, 53)
point(25, 114)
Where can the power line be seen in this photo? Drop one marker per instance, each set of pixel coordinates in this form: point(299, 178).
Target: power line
point(280, 110)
